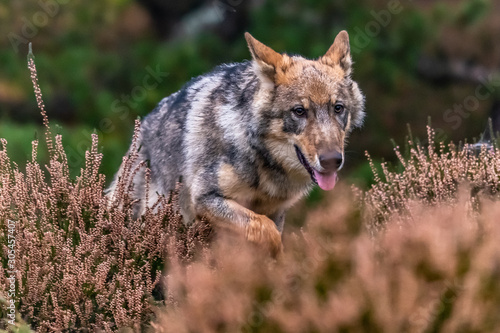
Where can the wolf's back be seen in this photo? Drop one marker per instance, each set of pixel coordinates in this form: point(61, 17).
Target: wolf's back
point(195, 127)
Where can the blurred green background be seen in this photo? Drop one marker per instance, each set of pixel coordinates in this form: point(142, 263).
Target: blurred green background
point(101, 64)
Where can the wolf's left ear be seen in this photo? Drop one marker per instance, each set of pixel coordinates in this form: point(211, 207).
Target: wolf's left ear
point(266, 58)
point(339, 53)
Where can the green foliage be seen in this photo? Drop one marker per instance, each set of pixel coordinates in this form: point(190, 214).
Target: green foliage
point(89, 64)
point(473, 11)
point(332, 267)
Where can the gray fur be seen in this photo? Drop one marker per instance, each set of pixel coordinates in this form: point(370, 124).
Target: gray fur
point(222, 121)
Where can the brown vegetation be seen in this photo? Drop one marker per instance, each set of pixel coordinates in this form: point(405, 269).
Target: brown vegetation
point(420, 254)
point(438, 274)
point(83, 262)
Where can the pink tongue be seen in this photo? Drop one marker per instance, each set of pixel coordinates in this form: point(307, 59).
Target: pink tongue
point(326, 181)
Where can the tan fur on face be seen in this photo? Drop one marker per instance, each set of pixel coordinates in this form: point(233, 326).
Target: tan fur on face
point(314, 85)
point(311, 83)
point(317, 77)
point(317, 85)
point(312, 142)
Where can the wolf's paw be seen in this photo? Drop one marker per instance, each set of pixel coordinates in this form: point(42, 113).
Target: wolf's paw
point(262, 231)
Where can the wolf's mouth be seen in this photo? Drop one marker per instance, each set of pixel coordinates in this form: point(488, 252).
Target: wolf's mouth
point(306, 164)
point(325, 180)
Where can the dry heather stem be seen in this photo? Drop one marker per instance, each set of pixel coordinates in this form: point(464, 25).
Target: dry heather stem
point(432, 177)
point(82, 264)
point(438, 275)
point(85, 265)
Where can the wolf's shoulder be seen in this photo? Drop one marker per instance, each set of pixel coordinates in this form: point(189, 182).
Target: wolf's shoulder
point(232, 75)
point(223, 80)
point(227, 71)
point(232, 68)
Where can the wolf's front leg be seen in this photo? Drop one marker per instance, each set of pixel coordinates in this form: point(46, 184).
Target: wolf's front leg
point(258, 228)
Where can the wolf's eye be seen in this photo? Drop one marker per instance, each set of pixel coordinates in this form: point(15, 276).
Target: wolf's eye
point(299, 111)
point(339, 108)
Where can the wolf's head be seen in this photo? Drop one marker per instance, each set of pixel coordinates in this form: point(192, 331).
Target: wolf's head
point(311, 107)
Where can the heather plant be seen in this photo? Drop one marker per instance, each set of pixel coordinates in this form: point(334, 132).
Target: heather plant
point(421, 254)
point(439, 274)
point(431, 174)
point(82, 262)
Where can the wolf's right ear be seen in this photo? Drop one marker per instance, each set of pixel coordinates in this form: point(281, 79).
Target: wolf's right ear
point(339, 53)
point(266, 58)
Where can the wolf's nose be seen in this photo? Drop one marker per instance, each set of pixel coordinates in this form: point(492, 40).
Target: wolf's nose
point(331, 161)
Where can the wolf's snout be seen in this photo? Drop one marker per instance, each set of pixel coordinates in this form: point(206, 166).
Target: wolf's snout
point(331, 161)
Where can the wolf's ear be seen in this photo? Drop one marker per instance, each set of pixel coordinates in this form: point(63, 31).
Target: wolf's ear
point(339, 53)
point(266, 58)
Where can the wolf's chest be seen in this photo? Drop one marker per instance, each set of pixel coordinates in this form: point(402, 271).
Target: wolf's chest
point(261, 203)
point(267, 198)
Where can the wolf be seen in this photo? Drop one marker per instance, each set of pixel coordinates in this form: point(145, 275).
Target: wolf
point(250, 139)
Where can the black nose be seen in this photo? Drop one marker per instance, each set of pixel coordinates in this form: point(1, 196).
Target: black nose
point(330, 161)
